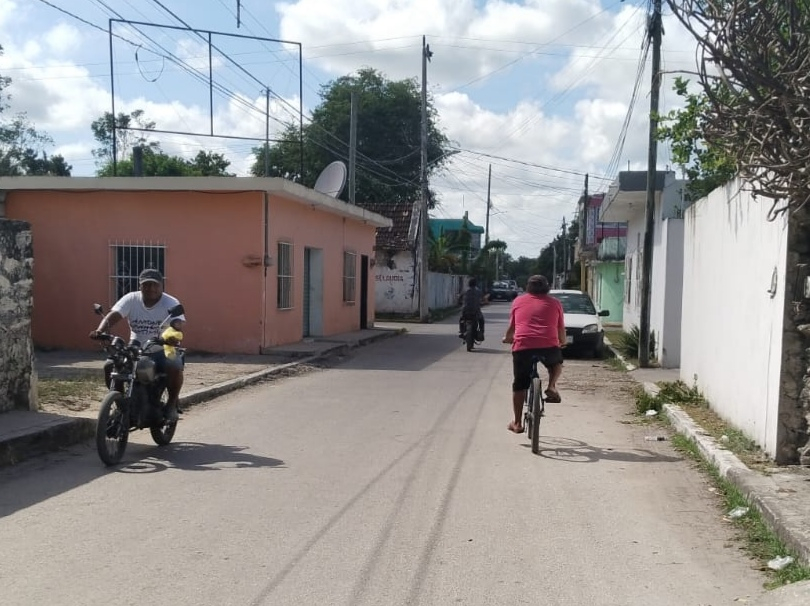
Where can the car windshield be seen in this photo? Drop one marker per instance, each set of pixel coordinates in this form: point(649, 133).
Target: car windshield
point(575, 303)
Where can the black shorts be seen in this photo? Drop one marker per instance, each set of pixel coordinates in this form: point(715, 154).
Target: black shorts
point(522, 364)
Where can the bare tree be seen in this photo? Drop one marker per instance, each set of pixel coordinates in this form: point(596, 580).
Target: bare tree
point(754, 67)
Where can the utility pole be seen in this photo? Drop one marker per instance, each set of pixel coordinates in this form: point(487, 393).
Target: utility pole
point(267, 133)
point(565, 254)
point(352, 145)
point(489, 205)
point(423, 208)
point(583, 240)
point(652, 161)
point(554, 270)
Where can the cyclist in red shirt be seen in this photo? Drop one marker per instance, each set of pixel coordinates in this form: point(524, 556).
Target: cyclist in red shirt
point(536, 326)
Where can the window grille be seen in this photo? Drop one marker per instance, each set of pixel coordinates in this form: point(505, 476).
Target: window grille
point(285, 275)
point(349, 276)
point(128, 260)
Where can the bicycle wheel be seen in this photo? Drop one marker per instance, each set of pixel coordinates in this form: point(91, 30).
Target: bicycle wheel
point(536, 407)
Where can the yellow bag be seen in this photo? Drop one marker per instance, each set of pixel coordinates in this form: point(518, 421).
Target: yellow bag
point(171, 350)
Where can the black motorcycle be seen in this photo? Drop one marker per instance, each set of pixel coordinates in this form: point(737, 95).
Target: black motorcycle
point(138, 395)
point(471, 333)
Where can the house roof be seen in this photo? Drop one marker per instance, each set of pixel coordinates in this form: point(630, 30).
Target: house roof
point(448, 225)
point(636, 180)
point(397, 236)
point(283, 187)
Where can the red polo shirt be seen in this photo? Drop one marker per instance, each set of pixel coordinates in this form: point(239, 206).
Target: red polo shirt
point(538, 320)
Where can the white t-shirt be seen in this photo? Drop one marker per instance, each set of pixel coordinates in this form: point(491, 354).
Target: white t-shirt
point(144, 322)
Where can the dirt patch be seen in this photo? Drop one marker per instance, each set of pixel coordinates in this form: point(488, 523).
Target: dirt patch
point(597, 378)
point(72, 383)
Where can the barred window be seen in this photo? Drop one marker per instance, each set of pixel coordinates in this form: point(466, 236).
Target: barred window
point(349, 276)
point(285, 275)
point(128, 260)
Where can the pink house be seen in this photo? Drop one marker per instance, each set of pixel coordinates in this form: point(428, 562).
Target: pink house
point(256, 262)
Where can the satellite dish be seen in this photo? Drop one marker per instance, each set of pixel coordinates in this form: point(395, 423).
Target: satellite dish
point(332, 179)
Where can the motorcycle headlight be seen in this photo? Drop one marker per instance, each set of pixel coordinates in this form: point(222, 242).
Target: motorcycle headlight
point(590, 328)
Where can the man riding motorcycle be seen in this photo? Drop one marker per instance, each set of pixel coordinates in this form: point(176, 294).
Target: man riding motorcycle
point(471, 309)
point(145, 310)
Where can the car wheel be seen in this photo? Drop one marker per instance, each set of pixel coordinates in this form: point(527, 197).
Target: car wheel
point(599, 349)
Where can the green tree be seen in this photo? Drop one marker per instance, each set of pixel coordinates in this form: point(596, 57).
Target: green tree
point(157, 163)
point(491, 261)
point(562, 243)
point(706, 167)
point(521, 268)
point(388, 140)
point(125, 139)
point(449, 252)
point(209, 164)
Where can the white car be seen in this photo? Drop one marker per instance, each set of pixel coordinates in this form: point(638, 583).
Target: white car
point(583, 324)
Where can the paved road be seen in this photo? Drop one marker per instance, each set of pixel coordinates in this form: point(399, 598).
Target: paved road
point(389, 479)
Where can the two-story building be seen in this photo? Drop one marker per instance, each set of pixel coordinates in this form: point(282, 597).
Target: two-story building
point(601, 250)
point(626, 202)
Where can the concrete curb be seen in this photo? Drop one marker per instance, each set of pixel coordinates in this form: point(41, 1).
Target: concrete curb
point(619, 356)
point(790, 526)
point(55, 433)
point(51, 435)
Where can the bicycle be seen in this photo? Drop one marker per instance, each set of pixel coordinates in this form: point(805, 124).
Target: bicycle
point(534, 406)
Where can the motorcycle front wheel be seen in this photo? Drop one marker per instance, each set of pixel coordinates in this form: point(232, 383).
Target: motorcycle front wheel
point(162, 434)
point(112, 429)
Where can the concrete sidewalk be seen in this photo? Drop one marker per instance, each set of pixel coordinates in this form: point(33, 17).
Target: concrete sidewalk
point(24, 434)
point(780, 494)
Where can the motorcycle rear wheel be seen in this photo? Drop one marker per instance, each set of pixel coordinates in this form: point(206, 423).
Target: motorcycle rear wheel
point(469, 335)
point(112, 429)
point(163, 434)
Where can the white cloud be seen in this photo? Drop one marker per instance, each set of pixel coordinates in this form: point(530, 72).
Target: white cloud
point(546, 82)
point(62, 39)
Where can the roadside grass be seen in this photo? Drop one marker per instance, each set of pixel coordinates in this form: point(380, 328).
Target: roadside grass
point(758, 539)
point(614, 363)
point(697, 407)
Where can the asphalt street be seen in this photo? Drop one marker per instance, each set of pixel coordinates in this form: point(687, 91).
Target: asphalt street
point(389, 478)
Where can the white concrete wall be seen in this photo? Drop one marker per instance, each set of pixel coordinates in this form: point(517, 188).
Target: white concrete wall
point(394, 286)
point(731, 326)
point(443, 289)
point(667, 274)
point(394, 290)
point(667, 291)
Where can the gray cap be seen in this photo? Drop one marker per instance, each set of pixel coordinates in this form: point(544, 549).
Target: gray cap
point(150, 275)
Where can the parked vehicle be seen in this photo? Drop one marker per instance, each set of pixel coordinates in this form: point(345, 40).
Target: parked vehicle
point(137, 397)
point(583, 324)
point(503, 291)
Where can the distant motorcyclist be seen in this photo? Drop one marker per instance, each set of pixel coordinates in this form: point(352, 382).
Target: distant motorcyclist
point(471, 309)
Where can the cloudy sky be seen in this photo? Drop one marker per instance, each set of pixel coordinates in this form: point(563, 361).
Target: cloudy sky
point(538, 89)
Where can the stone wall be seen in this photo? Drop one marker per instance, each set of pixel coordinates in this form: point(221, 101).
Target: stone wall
point(17, 378)
point(794, 409)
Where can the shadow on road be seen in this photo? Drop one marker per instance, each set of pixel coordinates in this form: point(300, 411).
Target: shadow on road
point(194, 456)
point(576, 451)
point(411, 352)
